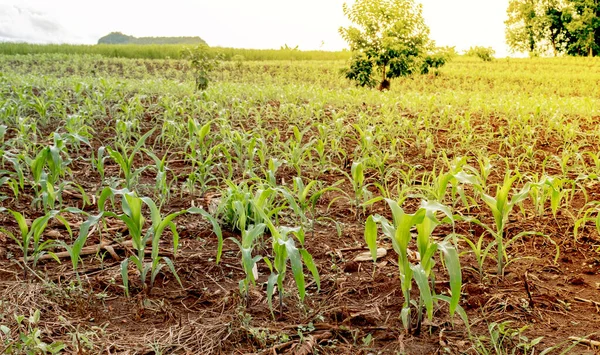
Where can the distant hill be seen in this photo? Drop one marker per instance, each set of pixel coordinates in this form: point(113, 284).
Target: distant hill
point(120, 38)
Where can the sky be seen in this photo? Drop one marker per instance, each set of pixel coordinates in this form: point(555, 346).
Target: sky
point(262, 24)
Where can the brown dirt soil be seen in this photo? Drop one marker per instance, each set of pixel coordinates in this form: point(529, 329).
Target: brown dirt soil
point(208, 316)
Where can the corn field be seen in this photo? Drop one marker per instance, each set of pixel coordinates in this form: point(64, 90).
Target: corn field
point(284, 210)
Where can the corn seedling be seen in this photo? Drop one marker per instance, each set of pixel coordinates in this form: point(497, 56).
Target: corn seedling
point(303, 199)
point(248, 239)
point(31, 236)
point(132, 216)
point(501, 207)
point(242, 202)
point(284, 249)
point(28, 337)
point(47, 168)
point(162, 185)
point(399, 232)
point(125, 160)
point(359, 188)
point(74, 250)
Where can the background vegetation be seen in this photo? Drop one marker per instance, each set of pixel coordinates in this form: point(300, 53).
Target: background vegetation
point(554, 26)
point(120, 38)
point(166, 51)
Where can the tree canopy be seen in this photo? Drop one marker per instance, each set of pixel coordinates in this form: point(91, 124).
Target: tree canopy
point(120, 38)
point(389, 37)
point(559, 26)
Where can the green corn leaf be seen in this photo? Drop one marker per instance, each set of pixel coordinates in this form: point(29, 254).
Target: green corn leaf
point(81, 239)
point(269, 264)
point(250, 235)
point(358, 174)
point(175, 238)
point(459, 310)
point(371, 236)
point(172, 268)
point(425, 291)
point(296, 263)
point(24, 229)
point(452, 262)
point(13, 237)
point(310, 265)
point(304, 193)
point(215, 225)
point(270, 290)
point(248, 263)
point(154, 213)
point(140, 143)
point(405, 317)
point(125, 275)
point(280, 253)
point(38, 163)
point(203, 132)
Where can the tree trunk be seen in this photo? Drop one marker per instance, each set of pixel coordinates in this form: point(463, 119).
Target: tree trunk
point(385, 84)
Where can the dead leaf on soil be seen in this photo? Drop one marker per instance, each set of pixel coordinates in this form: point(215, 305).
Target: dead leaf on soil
point(366, 256)
point(53, 233)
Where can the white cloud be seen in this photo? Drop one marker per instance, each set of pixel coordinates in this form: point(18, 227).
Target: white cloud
point(22, 23)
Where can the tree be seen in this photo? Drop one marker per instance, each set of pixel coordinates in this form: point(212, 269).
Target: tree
point(537, 26)
point(555, 26)
point(585, 28)
point(389, 38)
point(203, 63)
point(564, 26)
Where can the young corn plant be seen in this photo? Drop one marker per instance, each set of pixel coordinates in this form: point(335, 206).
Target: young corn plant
point(550, 188)
point(133, 217)
point(359, 188)
point(28, 337)
point(297, 151)
point(14, 178)
point(29, 239)
point(399, 232)
point(249, 236)
point(271, 171)
point(98, 160)
point(198, 143)
point(455, 177)
point(591, 213)
point(501, 207)
point(303, 199)
point(124, 159)
point(284, 248)
point(47, 169)
point(239, 204)
point(74, 250)
point(162, 184)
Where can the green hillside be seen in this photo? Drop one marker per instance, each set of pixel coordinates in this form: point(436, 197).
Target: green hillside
point(120, 38)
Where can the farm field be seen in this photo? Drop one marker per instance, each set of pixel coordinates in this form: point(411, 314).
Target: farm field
point(139, 216)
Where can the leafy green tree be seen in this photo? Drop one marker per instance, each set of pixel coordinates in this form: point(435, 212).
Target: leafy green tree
point(389, 38)
point(585, 28)
point(203, 64)
point(536, 26)
point(555, 26)
point(522, 26)
point(563, 26)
